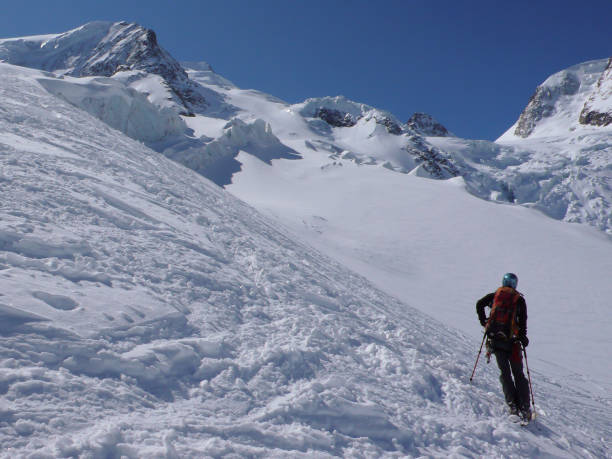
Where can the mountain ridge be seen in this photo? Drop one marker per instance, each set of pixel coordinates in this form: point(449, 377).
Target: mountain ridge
point(102, 49)
point(572, 187)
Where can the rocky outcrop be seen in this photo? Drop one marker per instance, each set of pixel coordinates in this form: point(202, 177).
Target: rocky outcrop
point(335, 118)
point(437, 164)
point(595, 118)
point(392, 127)
point(542, 103)
point(341, 112)
point(597, 109)
point(426, 125)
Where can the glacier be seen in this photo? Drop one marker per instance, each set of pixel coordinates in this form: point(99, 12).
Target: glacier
point(549, 159)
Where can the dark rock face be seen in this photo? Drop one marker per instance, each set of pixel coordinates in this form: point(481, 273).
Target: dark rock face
point(432, 159)
point(335, 118)
point(542, 104)
point(426, 125)
point(596, 117)
point(392, 126)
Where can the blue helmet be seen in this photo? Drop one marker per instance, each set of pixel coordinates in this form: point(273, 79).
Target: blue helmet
point(510, 280)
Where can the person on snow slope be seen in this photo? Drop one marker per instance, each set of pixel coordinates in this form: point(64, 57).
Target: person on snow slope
point(506, 329)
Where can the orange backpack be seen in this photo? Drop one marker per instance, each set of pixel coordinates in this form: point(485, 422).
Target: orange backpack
point(502, 323)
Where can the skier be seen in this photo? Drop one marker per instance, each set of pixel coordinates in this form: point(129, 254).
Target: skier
point(506, 329)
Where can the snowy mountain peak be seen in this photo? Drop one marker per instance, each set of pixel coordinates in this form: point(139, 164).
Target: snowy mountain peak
point(543, 102)
point(103, 49)
point(427, 125)
point(97, 48)
point(567, 100)
point(341, 112)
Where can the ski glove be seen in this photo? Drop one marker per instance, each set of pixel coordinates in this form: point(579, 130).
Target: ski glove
point(524, 341)
point(483, 322)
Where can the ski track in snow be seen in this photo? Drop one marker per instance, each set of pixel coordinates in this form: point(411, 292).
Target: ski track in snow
point(148, 313)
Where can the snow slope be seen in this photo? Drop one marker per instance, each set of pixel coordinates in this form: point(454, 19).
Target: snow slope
point(435, 246)
point(148, 313)
point(409, 235)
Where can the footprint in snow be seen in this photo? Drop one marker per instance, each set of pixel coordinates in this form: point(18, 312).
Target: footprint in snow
point(60, 302)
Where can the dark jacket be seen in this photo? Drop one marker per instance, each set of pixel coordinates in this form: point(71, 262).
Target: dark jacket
point(521, 313)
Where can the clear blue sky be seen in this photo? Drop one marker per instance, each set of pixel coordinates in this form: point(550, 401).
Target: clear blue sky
point(472, 64)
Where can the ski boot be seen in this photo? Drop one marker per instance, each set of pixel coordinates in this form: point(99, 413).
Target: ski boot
point(525, 415)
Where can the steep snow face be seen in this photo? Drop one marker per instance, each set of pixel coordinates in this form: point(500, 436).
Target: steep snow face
point(148, 313)
point(203, 72)
point(144, 92)
point(597, 109)
point(567, 178)
point(120, 106)
point(66, 51)
point(103, 49)
point(561, 102)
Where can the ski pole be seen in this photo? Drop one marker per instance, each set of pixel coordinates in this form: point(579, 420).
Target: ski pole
point(478, 357)
point(529, 377)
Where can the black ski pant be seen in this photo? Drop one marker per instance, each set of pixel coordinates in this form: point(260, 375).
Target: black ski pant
point(516, 391)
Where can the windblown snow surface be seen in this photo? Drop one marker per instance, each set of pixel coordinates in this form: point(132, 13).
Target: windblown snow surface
point(148, 313)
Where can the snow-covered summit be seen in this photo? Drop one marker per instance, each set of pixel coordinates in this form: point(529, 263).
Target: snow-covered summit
point(103, 49)
point(427, 126)
point(567, 101)
point(341, 112)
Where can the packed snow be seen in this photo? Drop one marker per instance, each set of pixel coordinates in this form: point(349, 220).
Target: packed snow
point(146, 312)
